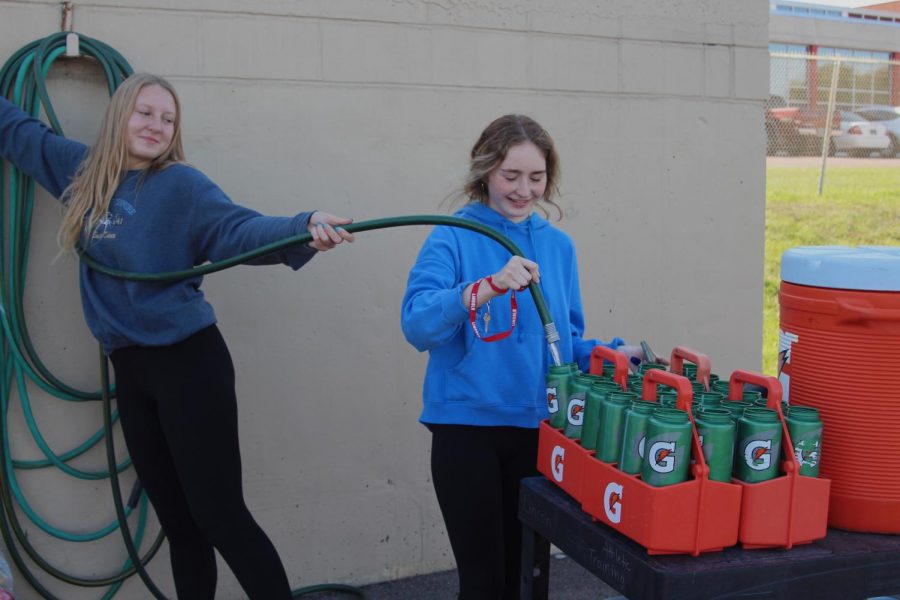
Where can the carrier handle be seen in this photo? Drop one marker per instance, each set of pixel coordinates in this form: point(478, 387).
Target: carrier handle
point(599, 353)
point(681, 384)
point(685, 392)
point(773, 401)
point(679, 353)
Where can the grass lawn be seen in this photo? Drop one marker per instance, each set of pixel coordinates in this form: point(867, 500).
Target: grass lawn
point(859, 206)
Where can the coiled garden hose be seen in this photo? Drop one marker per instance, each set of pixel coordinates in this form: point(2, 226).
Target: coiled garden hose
point(23, 80)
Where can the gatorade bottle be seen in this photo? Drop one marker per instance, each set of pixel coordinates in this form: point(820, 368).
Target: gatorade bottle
point(559, 380)
point(697, 387)
point(667, 450)
point(736, 408)
point(805, 428)
point(575, 406)
point(753, 396)
point(720, 386)
point(716, 430)
point(758, 449)
point(668, 398)
point(590, 429)
point(689, 370)
point(612, 421)
point(635, 383)
point(634, 433)
point(644, 367)
point(609, 370)
point(709, 399)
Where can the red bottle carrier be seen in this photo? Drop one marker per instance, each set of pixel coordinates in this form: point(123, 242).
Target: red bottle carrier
point(788, 510)
point(691, 517)
point(561, 459)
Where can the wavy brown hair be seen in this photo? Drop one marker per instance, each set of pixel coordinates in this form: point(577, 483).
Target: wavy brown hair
point(87, 198)
point(489, 151)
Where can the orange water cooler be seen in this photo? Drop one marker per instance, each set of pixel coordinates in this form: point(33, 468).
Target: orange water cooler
point(839, 351)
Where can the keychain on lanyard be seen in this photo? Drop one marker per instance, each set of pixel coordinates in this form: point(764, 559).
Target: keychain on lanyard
point(473, 301)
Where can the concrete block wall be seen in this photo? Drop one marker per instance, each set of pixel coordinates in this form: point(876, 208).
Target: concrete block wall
point(369, 108)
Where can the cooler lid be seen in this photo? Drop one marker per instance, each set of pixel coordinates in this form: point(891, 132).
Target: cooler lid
point(874, 268)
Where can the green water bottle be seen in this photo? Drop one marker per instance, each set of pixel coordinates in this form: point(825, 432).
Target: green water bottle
point(635, 382)
point(559, 380)
point(753, 396)
point(758, 448)
point(590, 429)
point(668, 398)
point(716, 430)
point(697, 387)
point(805, 427)
point(634, 433)
point(721, 387)
point(667, 450)
point(609, 370)
point(575, 406)
point(612, 420)
point(689, 370)
point(709, 399)
point(644, 367)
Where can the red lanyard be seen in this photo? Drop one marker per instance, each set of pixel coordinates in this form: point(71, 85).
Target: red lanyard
point(473, 305)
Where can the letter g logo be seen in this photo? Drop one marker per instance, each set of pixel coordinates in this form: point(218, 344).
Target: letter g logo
point(575, 414)
point(552, 400)
point(612, 502)
point(662, 457)
point(556, 463)
point(757, 454)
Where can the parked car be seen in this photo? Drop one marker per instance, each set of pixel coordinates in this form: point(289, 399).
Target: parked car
point(889, 116)
point(860, 137)
point(782, 136)
point(802, 127)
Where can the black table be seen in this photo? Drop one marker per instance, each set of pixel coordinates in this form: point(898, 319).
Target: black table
point(842, 566)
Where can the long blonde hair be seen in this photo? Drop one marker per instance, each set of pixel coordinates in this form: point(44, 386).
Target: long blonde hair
point(87, 198)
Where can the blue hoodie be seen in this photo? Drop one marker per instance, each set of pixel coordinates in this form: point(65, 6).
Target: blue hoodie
point(471, 382)
point(165, 220)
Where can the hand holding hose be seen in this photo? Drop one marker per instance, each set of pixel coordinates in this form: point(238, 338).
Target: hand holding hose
point(326, 231)
point(516, 274)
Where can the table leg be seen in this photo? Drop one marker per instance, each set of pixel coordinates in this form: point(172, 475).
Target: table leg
point(535, 579)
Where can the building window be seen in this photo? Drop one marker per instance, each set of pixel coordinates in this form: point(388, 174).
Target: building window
point(788, 77)
point(858, 84)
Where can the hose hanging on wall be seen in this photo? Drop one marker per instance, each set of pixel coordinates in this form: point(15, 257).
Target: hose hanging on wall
point(22, 79)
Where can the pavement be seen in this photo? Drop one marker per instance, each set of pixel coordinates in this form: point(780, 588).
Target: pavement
point(568, 581)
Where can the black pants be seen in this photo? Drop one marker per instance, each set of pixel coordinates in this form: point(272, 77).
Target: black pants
point(476, 473)
point(179, 415)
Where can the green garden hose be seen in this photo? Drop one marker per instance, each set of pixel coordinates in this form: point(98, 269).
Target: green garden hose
point(23, 80)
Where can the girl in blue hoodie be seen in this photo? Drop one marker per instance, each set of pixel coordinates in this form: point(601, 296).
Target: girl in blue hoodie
point(134, 204)
point(483, 401)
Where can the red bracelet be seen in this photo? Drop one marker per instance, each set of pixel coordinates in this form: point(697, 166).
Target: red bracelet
point(490, 280)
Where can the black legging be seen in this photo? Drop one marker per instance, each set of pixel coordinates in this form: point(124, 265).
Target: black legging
point(476, 473)
point(179, 417)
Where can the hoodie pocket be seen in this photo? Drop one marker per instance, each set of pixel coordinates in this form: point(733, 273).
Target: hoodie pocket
point(507, 372)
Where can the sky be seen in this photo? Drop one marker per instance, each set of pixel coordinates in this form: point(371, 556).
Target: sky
point(843, 3)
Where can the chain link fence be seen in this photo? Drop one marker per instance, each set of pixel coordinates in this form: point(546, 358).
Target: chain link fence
point(832, 105)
